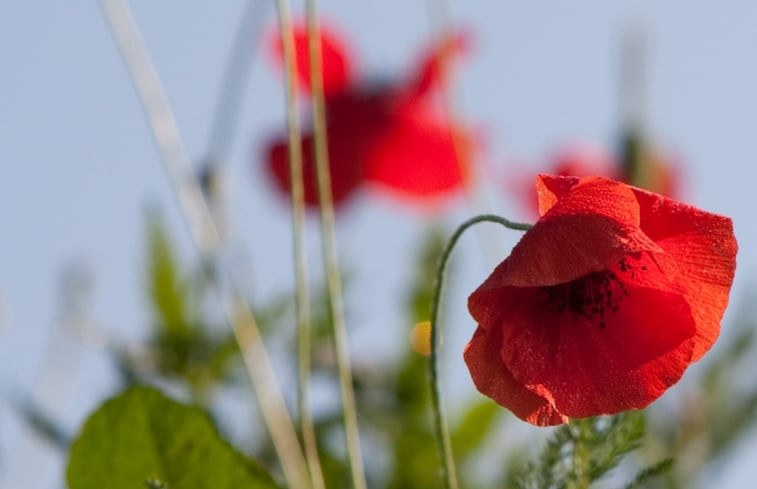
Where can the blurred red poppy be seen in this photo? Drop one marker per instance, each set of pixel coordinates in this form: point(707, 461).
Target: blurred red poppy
point(663, 175)
point(583, 159)
point(579, 159)
point(603, 304)
point(392, 136)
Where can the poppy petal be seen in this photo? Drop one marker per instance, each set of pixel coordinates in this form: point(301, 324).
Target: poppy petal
point(335, 59)
point(344, 168)
point(278, 166)
point(416, 156)
point(587, 363)
point(493, 379)
point(700, 255)
point(588, 229)
point(577, 159)
point(550, 188)
point(435, 64)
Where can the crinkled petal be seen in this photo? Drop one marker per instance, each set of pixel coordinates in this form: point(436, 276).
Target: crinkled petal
point(578, 159)
point(493, 379)
point(550, 188)
point(592, 225)
point(587, 365)
point(700, 255)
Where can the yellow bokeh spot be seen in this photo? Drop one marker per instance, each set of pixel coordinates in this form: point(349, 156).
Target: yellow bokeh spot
point(420, 338)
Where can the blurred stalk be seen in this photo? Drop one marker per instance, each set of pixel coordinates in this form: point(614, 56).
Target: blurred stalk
point(52, 389)
point(234, 82)
point(298, 227)
point(229, 102)
point(633, 105)
point(330, 256)
point(440, 423)
point(205, 234)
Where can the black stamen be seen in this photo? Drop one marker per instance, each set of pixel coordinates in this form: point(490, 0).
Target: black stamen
point(592, 295)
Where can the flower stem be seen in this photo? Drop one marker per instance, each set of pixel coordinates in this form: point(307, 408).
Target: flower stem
point(440, 424)
point(330, 257)
point(298, 228)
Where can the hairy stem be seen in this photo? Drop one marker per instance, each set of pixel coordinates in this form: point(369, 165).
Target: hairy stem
point(477, 189)
point(440, 423)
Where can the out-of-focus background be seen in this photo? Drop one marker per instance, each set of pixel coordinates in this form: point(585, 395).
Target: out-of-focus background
point(79, 170)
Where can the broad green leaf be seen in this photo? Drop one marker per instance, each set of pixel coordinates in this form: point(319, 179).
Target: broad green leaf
point(143, 439)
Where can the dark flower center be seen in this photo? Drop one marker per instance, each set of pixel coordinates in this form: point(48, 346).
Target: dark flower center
point(592, 296)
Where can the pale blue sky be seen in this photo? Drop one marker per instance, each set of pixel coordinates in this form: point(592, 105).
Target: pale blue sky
point(79, 166)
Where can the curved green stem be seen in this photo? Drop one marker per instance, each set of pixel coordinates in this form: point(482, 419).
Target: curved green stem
point(330, 258)
point(477, 190)
point(440, 424)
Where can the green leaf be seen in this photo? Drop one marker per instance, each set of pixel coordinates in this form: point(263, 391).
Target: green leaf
point(167, 289)
point(476, 423)
point(143, 439)
point(647, 473)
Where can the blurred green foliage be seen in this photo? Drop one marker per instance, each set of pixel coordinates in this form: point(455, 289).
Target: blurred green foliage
point(714, 413)
point(188, 348)
point(183, 345)
point(584, 451)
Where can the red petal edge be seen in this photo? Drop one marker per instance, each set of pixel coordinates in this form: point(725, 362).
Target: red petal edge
point(592, 224)
point(700, 255)
point(492, 379)
point(435, 64)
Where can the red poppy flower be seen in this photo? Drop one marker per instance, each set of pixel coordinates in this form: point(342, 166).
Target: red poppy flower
point(602, 304)
point(391, 136)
